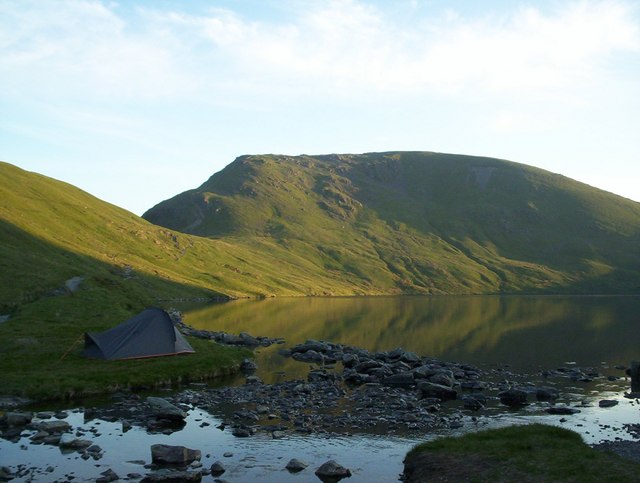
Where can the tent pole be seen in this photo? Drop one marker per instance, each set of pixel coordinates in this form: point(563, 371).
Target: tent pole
point(75, 342)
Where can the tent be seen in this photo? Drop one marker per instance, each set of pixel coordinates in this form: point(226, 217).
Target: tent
point(151, 333)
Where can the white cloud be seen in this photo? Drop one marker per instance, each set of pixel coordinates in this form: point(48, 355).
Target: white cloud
point(338, 48)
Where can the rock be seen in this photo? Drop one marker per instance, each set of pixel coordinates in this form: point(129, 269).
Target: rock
point(332, 470)
point(17, 418)
point(70, 441)
point(217, 468)
point(54, 426)
point(311, 345)
point(429, 389)
point(39, 436)
point(163, 409)
point(403, 379)
point(73, 284)
point(607, 403)
point(295, 465)
point(473, 385)
point(248, 365)
point(410, 357)
point(278, 434)
point(546, 394)
point(443, 377)
point(95, 449)
point(513, 398)
point(350, 360)
point(562, 410)
point(365, 366)
point(107, 476)
point(173, 455)
point(240, 432)
point(474, 402)
point(6, 474)
point(249, 340)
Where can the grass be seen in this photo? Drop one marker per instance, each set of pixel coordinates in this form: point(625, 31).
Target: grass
point(42, 349)
point(379, 223)
point(416, 222)
point(518, 453)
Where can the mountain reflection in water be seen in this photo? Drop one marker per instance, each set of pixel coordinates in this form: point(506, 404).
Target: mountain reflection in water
point(526, 332)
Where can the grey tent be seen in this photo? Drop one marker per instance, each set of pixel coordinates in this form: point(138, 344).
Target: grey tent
point(151, 333)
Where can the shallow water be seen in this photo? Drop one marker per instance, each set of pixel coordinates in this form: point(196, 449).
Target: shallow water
point(526, 333)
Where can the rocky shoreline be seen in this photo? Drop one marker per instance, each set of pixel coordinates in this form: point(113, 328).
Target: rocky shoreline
point(348, 390)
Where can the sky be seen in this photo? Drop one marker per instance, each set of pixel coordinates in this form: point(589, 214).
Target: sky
point(137, 101)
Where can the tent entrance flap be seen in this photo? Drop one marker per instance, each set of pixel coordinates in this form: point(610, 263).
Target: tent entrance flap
point(151, 333)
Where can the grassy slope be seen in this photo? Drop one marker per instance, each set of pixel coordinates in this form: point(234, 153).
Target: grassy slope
point(422, 222)
point(51, 231)
point(378, 223)
point(517, 453)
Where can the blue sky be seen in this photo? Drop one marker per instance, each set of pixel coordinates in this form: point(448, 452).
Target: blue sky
point(137, 101)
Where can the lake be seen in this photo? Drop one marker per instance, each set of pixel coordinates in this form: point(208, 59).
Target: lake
point(527, 334)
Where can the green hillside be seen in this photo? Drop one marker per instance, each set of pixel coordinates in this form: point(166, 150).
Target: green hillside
point(51, 232)
point(277, 225)
point(420, 222)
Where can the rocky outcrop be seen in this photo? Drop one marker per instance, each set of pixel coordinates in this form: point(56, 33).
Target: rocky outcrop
point(332, 471)
point(163, 454)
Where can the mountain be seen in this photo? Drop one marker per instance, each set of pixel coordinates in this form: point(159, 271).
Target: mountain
point(51, 231)
point(419, 222)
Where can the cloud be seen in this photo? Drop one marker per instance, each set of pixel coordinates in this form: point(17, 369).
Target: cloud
point(343, 49)
point(83, 50)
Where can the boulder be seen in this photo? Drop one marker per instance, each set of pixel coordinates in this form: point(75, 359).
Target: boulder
point(248, 365)
point(350, 360)
point(217, 468)
point(69, 441)
point(6, 474)
point(474, 401)
point(607, 403)
point(546, 394)
point(311, 345)
point(163, 409)
point(108, 476)
point(367, 365)
point(513, 398)
point(249, 340)
point(308, 356)
point(17, 418)
point(54, 426)
point(429, 389)
point(410, 357)
point(444, 378)
point(295, 465)
point(403, 379)
point(164, 454)
point(332, 471)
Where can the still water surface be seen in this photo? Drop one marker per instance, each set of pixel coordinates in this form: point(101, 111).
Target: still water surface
point(527, 333)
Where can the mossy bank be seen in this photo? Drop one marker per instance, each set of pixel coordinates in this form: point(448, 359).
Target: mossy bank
point(518, 453)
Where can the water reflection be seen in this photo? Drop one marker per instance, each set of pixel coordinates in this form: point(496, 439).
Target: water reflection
point(524, 332)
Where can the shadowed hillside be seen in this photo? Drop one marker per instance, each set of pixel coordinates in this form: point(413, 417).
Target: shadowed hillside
point(421, 222)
